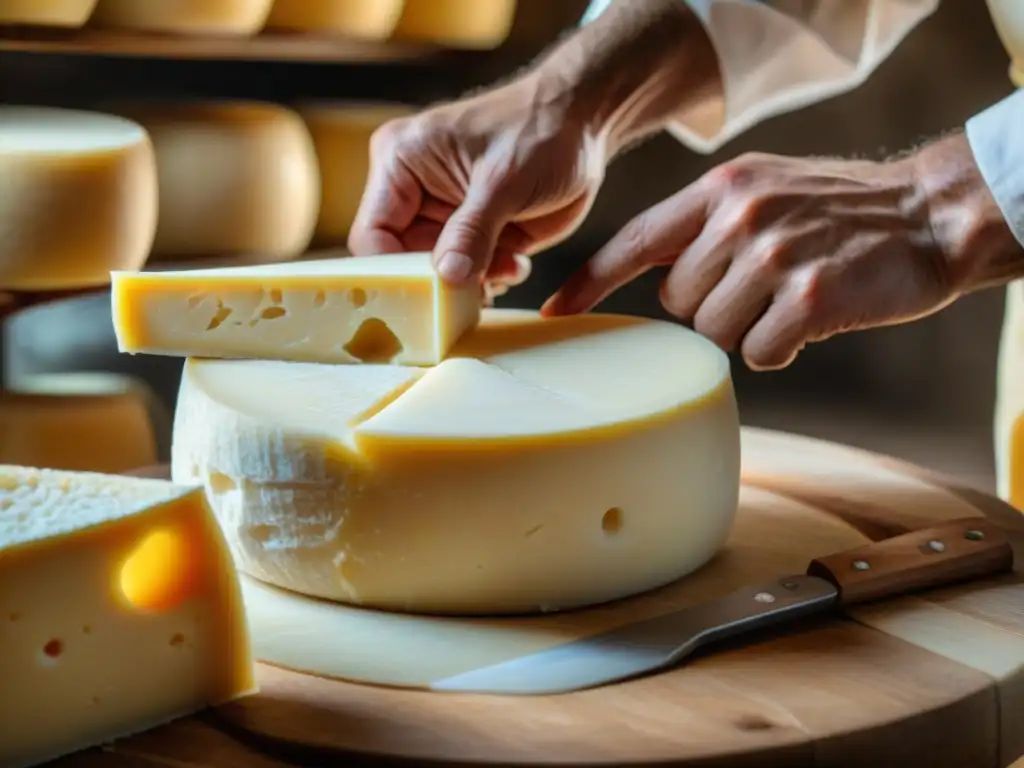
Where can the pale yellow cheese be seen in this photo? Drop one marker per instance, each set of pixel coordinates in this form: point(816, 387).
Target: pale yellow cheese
point(120, 609)
point(1009, 411)
point(369, 19)
point(544, 465)
point(193, 17)
point(46, 13)
point(92, 422)
point(371, 309)
point(471, 24)
point(78, 198)
point(341, 134)
point(236, 178)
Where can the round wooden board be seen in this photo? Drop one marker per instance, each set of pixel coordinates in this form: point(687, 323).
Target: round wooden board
point(932, 680)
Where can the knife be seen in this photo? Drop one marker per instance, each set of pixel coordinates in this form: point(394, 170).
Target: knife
point(954, 551)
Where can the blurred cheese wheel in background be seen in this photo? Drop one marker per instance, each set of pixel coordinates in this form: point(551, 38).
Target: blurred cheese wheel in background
point(78, 198)
point(472, 24)
point(196, 17)
point(368, 19)
point(341, 134)
point(92, 422)
point(46, 13)
point(236, 177)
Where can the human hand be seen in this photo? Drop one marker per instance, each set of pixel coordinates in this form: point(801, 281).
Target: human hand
point(768, 253)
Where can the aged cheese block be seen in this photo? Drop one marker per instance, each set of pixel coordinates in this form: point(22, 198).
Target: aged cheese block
point(371, 309)
point(196, 17)
point(341, 133)
point(370, 19)
point(473, 24)
point(119, 609)
point(46, 13)
point(236, 177)
point(92, 422)
point(544, 465)
point(78, 198)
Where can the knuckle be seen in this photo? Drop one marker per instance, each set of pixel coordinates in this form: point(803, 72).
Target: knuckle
point(675, 302)
point(772, 256)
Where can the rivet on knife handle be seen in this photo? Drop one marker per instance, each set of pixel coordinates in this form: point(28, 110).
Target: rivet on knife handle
point(948, 553)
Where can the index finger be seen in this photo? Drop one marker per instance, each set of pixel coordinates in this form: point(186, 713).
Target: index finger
point(389, 205)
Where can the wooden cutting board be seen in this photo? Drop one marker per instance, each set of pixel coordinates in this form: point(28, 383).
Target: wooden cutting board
point(931, 680)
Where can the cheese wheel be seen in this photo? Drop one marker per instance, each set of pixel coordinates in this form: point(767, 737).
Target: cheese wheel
point(91, 422)
point(341, 134)
point(192, 17)
point(46, 13)
point(544, 465)
point(472, 24)
point(369, 19)
point(78, 198)
point(235, 178)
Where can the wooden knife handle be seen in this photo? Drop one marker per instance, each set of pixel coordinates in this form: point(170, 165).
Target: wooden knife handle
point(948, 553)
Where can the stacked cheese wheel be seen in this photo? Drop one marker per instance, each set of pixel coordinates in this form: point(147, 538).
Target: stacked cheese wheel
point(366, 435)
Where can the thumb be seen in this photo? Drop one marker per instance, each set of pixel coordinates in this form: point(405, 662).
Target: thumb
point(467, 242)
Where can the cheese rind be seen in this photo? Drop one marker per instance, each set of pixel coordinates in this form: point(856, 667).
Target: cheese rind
point(469, 24)
point(195, 17)
point(545, 465)
point(391, 308)
point(78, 198)
point(46, 13)
point(368, 19)
point(236, 177)
point(119, 610)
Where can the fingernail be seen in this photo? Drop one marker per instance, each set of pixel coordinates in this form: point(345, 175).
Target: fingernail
point(454, 267)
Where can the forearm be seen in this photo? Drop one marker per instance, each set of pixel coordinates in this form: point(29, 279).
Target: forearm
point(625, 75)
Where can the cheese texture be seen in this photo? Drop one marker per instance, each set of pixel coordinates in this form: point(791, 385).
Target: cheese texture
point(235, 178)
point(194, 17)
point(120, 609)
point(544, 465)
point(470, 24)
point(341, 134)
point(91, 422)
point(46, 13)
point(1009, 411)
point(368, 19)
point(78, 198)
point(371, 309)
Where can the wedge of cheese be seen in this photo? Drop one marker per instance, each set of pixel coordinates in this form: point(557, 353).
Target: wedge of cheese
point(236, 177)
point(78, 198)
point(120, 609)
point(193, 17)
point(374, 309)
point(46, 13)
point(544, 465)
point(469, 24)
point(366, 19)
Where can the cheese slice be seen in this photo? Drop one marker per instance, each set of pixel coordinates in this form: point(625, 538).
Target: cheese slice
point(194, 17)
point(46, 13)
point(341, 134)
point(369, 309)
point(78, 198)
point(470, 24)
point(367, 19)
point(119, 610)
point(544, 465)
point(93, 422)
point(236, 177)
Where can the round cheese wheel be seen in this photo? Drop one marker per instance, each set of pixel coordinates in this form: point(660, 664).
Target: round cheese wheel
point(196, 17)
point(544, 465)
point(341, 134)
point(471, 24)
point(78, 198)
point(369, 19)
point(89, 422)
point(235, 178)
point(46, 13)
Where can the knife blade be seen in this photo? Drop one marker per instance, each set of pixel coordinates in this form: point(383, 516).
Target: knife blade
point(946, 554)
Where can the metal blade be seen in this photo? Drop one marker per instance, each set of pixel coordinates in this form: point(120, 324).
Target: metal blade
point(648, 645)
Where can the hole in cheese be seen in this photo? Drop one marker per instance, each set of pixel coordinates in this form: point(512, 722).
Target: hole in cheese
point(373, 342)
point(54, 648)
point(14, 616)
point(319, 299)
point(611, 521)
point(276, 295)
point(357, 297)
point(221, 483)
point(160, 573)
point(223, 313)
point(86, 629)
point(177, 640)
point(273, 313)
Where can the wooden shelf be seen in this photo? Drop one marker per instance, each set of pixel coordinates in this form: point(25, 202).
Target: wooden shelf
point(263, 47)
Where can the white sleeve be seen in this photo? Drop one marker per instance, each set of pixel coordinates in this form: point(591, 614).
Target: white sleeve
point(778, 56)
point(996, 137)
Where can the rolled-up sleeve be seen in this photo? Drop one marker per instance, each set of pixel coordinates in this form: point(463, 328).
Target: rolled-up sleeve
point(996, 137)
point(778, 56)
